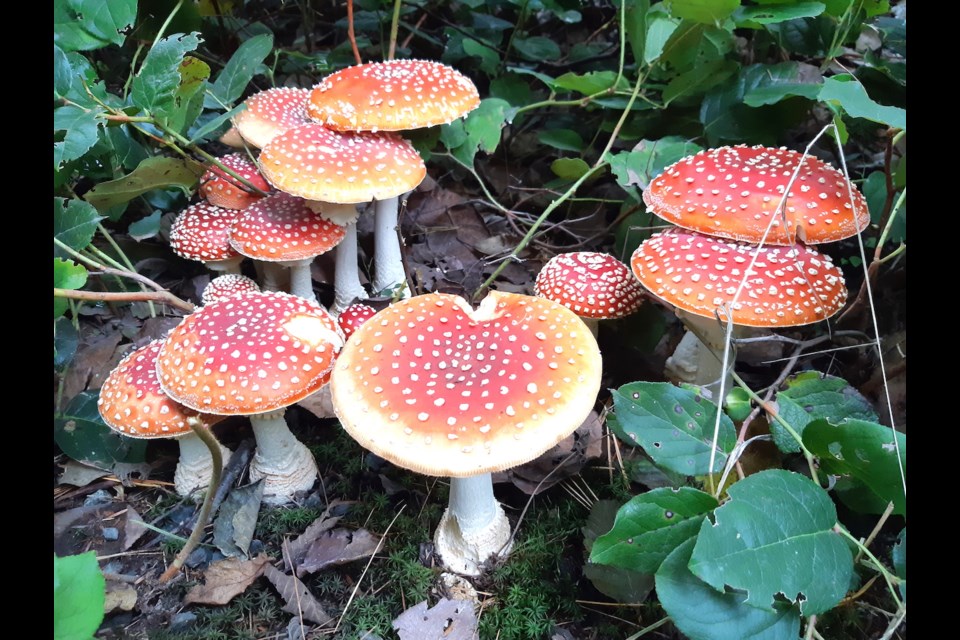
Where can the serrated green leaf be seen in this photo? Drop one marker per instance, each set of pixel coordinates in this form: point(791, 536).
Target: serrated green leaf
point(62, 73)
point(701, 613)
point(66, 275)
point(773, 13)
point(778, 519)
point(810, 396)
point(482, 128)
point(864, 451)
point(79, 592)
point(152, 173)
point(649, 526)
point(155, 86)
point(84, 25)
point(591, 82)
point(674, 426)
point(848, 94)
point(146, 227)
point(563, 139)
point(74, 223)
point(648, 159)
point(703, 11)
point(188, 99)
point(82, 434)
point(489, 58)
point(900, 562)
point(65, 341)
point(537, 48)
point(239, 71)
point(80, 133)
point(569, 168)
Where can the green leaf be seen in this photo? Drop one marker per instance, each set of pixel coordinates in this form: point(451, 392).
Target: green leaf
point(153, 173)
point(84, 77)
point(569, 168)
point(650, 526)
point(846, 93)
point(674, 426)
point(188, 99)
point(155, 85)
point(82, 434)
point(772, 13)
point(65, 341)
point(703, 11)
point(648, 159)
point(864, 451)
point(542, 77)
point(213, 124)
point(239, 71)
point(810, 396)
point(874, 189)
point(74, 223)
point(591, 82)
point(660, 26)
point(900, 562)
point(84, 25)
point(699, 79)
point(701, 613)
point(782, 520)
point(737, 404)
point(489, 58)
point(79, 592)
point(80, 129)
point(563, 139)
point(62, 73)
point(128, 153)
point(537, 48)
point(791, 79)
point(145, 227)
point(481, 128)
point(618, 583)
point(66, 275)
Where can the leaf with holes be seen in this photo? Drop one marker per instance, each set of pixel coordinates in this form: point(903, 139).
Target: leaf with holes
point(152, 173)
point(702, 613)
point(155, 85)
point(864, 452)
point(79, 129)
point(82, 434)
point(239, 71)
point(650, 526)
point(188, 98)
point(845, 92)
point(810, 396)
point(74, 223)
point(773, 539)
point(480, 129)
point(84, 25)
point(674, 426)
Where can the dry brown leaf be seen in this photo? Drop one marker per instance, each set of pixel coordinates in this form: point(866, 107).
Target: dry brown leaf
point(337, 547)
point(298, 547)
point(299, 600)
point(225, 579)
point(79, 474)
point(93, 359)
point(447, 620)
point(119, 596)
point(133, 527)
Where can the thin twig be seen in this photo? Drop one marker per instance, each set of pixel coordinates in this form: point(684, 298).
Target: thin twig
point(133, 296)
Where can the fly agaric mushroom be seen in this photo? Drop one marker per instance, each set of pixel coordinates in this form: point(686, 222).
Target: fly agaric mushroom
point(338, 171)
point(223, 190)
point(699, 276)
point(271, 112)
point(394, 95)
point(202, 232)
point(281, 229)
point(353, 317)
point(228, 286)
point(132, 403)
point(440, 388)
point(255, 355)
point(595, 286)
point(735, 192)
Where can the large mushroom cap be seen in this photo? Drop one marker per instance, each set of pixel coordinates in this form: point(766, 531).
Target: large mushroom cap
point(270, 113)
point(132, 402)
point(734, 192)
point(700, 274)
point(223, 190)
point(316, 163)
point(281, 227)
point(392, 96)
point(202, 232)
point(250, 354)
point(435, 386)
point(592, 285)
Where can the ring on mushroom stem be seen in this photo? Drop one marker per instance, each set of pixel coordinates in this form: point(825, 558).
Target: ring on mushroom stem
point(438, 387)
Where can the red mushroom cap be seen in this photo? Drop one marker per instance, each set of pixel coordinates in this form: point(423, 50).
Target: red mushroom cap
point(733, 192)
point(700, 274)
point(223, 190)
point(317, 163)
point(440, 388)
point(351, 318)
point(392, 96)
point(280, 228)
point(228, 286)
point(269, 113)
point(250, 354)
point(592, 285)
point(132, 402)
point(202, 232)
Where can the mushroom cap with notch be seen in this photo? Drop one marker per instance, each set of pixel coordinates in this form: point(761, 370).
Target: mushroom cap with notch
point(435, 386)
point(733, 192)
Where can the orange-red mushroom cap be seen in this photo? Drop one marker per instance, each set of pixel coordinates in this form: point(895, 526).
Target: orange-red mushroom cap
point(202, 232)
point(228, 286)
point(353, 317)
point(223, 190)
point(700, 274)
point(592, 285)
point(435, 386)
point(735, 192)
point(271, 112)
point(281, 227)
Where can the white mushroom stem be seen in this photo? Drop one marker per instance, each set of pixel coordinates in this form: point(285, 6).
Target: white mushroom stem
point(229, 265)
point(275, 277)
point(387, 259)
point(474, 526)
point(285, 463)
point(709, 353)
point(196, 464)
point(346, 276)
point(301, 283)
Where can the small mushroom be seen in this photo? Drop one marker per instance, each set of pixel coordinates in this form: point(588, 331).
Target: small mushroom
point(271, 112)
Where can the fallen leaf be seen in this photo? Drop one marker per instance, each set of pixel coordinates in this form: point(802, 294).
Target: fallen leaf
point(299, 600)
point(337, 547)
point(447, 620)
point(235, 523)
point(298, 547)
point(119, 596)
point(133, 528)
point(79, 474)
point(93, 357)
point(227, 578)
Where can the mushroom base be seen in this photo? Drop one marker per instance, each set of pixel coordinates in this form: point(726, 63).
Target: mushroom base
point(195, 468)
point(465, 552)
point(285, 463)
